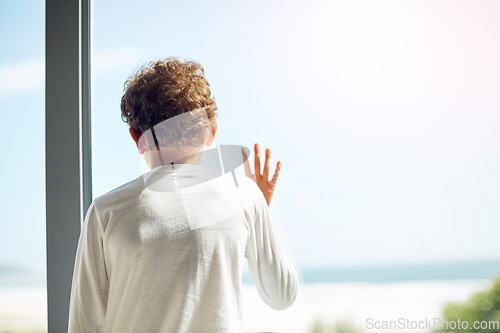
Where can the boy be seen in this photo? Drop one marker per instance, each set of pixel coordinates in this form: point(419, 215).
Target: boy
point(165, 252)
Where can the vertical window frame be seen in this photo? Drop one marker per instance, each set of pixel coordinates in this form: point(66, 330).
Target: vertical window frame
point(68, 146)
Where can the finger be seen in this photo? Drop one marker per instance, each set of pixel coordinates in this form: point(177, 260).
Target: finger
point(265, 174)
point(276, 173)
point(257, 160)
point(248, 172)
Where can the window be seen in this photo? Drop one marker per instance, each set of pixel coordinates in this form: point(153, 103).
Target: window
point(22, 197)
point(384, 115)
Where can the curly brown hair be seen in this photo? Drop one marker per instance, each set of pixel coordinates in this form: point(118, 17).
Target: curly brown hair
point(164, 89)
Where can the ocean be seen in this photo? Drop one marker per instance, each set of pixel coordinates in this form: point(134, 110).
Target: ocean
point(445, 271)
point(11, 276)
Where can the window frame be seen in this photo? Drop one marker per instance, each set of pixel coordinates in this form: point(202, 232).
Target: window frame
point(68, 146)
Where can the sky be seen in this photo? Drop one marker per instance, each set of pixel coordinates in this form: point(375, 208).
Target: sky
point(385, 115)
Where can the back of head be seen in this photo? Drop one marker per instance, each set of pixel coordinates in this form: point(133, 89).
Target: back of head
point(175, 98)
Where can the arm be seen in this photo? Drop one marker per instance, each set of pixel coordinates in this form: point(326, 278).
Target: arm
point(89, 290)
point(269, 267)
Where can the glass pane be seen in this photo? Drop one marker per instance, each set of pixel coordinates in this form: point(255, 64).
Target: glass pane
point(23, 305)
point(385, 116)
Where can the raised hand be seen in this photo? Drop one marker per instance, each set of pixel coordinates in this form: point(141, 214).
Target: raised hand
point(262, 180)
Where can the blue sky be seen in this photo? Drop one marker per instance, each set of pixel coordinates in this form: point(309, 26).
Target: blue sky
point(385, 115)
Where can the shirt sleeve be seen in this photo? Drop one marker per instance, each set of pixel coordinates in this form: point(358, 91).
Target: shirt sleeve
point(90, 286)
point(269, 267)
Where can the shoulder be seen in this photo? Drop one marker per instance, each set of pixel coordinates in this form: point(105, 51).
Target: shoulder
point(118, 196)
point(247, 185)
point(251, 190)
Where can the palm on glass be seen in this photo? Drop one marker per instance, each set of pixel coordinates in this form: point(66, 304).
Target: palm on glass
point(262, 179)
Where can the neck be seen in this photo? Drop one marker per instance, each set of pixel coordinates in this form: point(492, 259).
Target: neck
point(169, 155)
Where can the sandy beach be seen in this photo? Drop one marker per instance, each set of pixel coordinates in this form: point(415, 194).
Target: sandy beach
point(356, 302)
point(24, 309)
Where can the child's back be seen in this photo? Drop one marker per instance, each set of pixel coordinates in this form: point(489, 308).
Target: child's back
point(165, 253)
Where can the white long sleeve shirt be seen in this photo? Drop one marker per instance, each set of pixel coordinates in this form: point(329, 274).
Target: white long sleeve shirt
point(165, 253)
